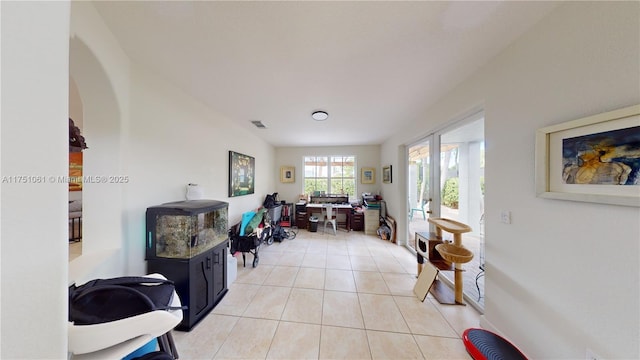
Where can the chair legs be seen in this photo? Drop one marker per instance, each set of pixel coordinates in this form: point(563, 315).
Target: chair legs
point(424, 216)
point(333, 224)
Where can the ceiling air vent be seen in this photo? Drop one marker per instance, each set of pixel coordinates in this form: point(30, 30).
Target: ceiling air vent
point(258, 124)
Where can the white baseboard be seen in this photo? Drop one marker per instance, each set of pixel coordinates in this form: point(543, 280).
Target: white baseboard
point(488, 325)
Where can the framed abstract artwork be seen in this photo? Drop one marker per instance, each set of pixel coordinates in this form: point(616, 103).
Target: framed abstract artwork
point(592, 159)
point(368, 175)
point(241, 174)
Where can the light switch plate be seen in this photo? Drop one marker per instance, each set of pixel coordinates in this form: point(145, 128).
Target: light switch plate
point(505, 217)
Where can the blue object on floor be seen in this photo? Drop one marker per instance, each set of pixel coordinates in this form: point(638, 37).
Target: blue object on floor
point(246, 217)
point(144, 349)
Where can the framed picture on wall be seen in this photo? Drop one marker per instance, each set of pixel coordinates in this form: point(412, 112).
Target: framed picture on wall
point(368, 175)
point(241, 174)
point(592, 159)
point(386, 175)
point(75, 171)
point(287, 174)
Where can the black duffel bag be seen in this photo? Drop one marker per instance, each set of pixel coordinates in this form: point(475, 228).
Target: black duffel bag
point(270, 200)
point(104, 300)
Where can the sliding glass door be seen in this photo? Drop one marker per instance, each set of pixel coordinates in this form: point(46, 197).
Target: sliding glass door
point(419, 191)
point(445, 175)
point(462, 173)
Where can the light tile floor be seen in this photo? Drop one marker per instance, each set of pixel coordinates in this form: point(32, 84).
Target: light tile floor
point(75, 249)
point(320, 296)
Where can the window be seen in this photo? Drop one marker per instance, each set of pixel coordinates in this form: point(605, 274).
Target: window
point(330, 174)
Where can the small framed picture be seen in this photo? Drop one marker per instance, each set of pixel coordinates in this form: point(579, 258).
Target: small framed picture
point(368, 175)
point(386, 175)
point(287, 174)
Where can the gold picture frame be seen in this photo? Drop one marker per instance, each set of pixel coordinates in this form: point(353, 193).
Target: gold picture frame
point(368, 175)
point(287, 174)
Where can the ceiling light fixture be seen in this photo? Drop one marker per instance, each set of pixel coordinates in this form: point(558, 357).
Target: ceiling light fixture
point(320, 115)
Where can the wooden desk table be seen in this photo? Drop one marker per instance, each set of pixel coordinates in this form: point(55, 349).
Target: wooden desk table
point(338, 208)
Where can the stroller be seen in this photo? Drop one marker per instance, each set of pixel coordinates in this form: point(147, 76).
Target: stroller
point(245, 244)
point(244, 238)
point(273, 230)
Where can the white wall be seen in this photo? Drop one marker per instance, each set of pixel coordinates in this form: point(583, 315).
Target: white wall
point(161, 142)
point(156, 137)
point(75, 105)
point(100, 70)
point(34, 214)
point(554, 283)
point(366, 156)
point(174, 140)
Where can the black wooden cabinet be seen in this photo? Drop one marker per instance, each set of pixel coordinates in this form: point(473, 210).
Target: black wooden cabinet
point(187, 242)
point(301, 215)
point(357, 221)
point(201, 282)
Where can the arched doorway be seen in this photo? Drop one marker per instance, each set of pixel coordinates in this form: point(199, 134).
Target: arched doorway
point(101, 123)
point(75, 173)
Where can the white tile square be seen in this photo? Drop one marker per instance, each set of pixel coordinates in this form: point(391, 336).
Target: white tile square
point(341, 280)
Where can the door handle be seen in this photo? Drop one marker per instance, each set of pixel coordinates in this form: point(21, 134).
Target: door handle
point(208, 262)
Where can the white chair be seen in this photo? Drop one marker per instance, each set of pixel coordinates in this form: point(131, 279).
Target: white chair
point(327, 213)
point(116, 339)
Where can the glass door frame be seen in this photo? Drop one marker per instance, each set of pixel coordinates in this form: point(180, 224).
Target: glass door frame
point(434, 174)
point(434, 192)
point(435, 187)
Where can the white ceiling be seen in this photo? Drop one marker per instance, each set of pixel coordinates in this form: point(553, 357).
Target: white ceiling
point(373, 66)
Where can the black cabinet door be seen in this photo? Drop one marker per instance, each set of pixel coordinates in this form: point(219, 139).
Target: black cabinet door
point(357, 222)
point(219, 276)
point(193, 282)
point(200, 289)
point(200, 281)
point(301, 220)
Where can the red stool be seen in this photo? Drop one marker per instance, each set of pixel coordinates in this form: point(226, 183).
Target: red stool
point(482, 344)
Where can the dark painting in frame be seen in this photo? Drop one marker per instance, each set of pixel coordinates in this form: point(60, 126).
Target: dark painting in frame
point(241, 174)
point(387, 175)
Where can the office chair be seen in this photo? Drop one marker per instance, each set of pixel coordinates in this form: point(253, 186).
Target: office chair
point(327, 213)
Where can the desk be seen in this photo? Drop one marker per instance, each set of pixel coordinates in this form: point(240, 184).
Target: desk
point(339, 209)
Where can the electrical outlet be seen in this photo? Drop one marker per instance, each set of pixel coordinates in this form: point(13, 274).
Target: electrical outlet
point(505, 217)
point(593, 356)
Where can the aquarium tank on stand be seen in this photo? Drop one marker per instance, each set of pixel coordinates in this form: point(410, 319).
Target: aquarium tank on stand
point(187, 242)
